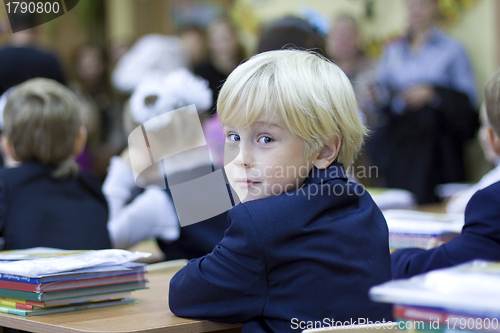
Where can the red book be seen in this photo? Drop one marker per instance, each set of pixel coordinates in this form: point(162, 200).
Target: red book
point(450, 320)
point(73, 284)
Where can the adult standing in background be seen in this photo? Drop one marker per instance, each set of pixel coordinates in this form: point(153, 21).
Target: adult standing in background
point(426, 97)
point(21, 59)
point(343, 48)
point(225, 53)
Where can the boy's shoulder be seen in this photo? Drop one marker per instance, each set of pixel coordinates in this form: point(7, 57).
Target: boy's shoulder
point(23, 170)
point(326, 196)
point(482, 213)
point(34, 173)
point(492, 192)
point(487, 197)
point(493, 188)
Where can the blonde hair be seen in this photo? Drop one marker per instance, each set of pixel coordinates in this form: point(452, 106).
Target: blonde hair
point(42, 120)
point(311, 94)
point(492, 94)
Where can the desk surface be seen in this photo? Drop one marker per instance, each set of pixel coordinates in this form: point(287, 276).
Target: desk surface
point(433, 208)
point(151, 314)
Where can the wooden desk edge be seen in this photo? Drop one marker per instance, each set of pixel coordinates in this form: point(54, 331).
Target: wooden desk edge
point(23, 323)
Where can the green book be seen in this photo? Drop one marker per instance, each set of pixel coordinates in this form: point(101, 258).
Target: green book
point(67, 308)
point(34, 296)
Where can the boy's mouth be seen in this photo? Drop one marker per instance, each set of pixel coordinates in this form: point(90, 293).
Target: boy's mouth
point(245, 183)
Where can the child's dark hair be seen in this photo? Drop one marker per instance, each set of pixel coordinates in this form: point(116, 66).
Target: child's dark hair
point(42, 120)
point(290, 31)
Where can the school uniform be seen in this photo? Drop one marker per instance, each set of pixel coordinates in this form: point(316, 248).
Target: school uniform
point(480, 239)
point(309, 254)
point(195, 240)
point(38, 210)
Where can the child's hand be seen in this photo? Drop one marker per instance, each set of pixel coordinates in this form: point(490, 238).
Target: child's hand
point(417, 97)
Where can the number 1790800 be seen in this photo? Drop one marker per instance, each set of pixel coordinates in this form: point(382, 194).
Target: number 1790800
point(32, 7)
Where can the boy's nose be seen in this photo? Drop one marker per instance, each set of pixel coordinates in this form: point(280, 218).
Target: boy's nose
point(244, 157)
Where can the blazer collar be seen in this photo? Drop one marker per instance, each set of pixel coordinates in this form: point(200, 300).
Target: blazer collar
point(318, 176)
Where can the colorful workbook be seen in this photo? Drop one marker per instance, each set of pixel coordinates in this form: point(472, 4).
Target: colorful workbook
point(84, 273)
point(473, 287)
point(42, 280)
point(73, 284)
point(59, 309)
point(34, 296)
point(442, 320)
point(417, 229)
point(67, 301)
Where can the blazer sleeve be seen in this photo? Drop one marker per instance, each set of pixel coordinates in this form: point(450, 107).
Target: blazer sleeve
point(229, 284)
point(4, 207)
point(480, 239)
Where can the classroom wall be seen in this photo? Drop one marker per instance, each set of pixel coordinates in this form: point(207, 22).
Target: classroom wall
point(478, 31)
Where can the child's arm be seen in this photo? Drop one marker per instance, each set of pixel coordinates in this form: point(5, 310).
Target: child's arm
point(480, 239)
point(4, 209)
point(229, 284)
point(151, 214)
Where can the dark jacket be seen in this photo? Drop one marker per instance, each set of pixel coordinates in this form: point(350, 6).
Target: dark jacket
point(23, 63)
point(420, 149)
point(37, 210)
point(305, 255)
point(480, 239)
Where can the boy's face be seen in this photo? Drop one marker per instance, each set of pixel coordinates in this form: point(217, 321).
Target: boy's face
point(271, 159)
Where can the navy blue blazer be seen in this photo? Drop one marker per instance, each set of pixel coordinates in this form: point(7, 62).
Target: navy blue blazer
point(197, 239)
point(480, 239)
point(304, 255)
point(37, 210)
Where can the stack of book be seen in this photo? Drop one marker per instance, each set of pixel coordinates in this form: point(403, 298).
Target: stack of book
point(42, 281)
point(461, 298)
point(392, 198)
point(409, 228)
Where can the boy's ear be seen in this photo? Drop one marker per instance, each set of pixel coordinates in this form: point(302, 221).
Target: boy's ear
point(493, 140)
point(328, 153)
point(80, 142)
point(8, 148)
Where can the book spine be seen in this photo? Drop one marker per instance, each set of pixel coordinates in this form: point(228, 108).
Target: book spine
point(17, 278)
point(24, 295)
point(448, 320)
point(17, 305)
point(13, 311)
point(21, 301)
point(21, 286)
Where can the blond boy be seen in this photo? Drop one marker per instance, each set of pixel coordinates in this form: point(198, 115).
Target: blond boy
point(305, 244)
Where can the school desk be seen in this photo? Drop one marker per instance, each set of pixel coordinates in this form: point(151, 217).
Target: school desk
point(433, 208)
point(150, 314)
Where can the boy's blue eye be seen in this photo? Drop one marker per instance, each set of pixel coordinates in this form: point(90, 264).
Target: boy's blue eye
point(265, 139)
point(234, 137)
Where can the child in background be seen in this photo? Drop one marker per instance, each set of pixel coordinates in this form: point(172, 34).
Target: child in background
point(46, 200)
point(136, 214)
point(305, 244)
point(459, 201)
point(480, 237)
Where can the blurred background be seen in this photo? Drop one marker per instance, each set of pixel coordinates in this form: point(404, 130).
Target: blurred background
point(116, 24)
point(110, 28)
